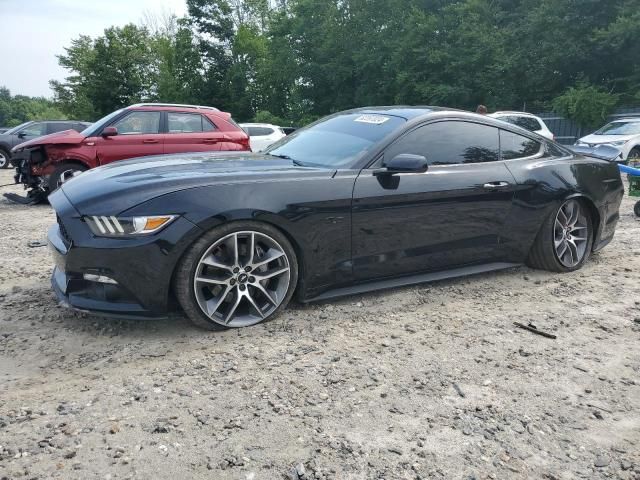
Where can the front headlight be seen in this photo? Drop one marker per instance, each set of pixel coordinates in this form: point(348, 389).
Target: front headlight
point(112, 226)
point(618, 143)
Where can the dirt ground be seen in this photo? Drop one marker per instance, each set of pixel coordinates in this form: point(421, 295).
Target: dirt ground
point(432, 381)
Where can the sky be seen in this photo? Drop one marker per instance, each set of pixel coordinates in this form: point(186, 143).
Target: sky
point(35, 31)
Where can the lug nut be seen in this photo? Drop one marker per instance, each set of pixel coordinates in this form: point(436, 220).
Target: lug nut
point(252, 279)
point(236, 270)
point(233, 281)
point(247, 269)
point(242, 287)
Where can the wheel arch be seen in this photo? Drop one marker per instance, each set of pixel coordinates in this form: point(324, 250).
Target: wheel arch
point(268, 220)
point(593, 211)
point(73, 161)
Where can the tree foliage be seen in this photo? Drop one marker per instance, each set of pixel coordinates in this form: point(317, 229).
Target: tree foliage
point(587, 105)
point(18, 109)
point(301, 59)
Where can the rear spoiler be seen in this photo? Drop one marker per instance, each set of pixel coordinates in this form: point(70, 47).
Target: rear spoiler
point(603, 152)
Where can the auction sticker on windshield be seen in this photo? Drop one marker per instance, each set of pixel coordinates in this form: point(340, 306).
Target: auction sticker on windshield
point(374, 119)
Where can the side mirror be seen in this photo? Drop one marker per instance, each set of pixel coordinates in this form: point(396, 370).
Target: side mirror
point(109, 132)
point(22, 134)
point(404, 163)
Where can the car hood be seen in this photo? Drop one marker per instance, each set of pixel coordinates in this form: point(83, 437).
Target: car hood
point(66, 136)
point(119, 186)
point(606, 138)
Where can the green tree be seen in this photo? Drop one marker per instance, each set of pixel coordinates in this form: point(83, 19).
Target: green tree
point(18, 109)
point(588, 105)
point(108, 73)
point(301, 59)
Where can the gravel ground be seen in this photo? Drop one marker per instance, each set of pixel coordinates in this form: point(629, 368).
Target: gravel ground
point(432, 381)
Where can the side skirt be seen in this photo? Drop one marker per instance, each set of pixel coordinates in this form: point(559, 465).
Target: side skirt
point(411, 280)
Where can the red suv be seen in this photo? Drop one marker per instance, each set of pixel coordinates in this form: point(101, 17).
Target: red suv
point(144, 129)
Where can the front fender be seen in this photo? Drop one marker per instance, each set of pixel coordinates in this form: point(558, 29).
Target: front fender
point(315, 214)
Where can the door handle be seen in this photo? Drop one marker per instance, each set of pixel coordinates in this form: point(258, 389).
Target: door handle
point(496, 185)
point(210, 140)
point(149, 140)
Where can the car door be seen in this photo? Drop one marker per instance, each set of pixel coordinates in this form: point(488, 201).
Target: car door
point(29, 132)
point(191, 132)
point(138, 136)
point(450, 216)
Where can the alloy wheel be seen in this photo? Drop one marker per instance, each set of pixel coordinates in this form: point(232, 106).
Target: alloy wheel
point(571, 234)
point(4, 160)
point(242, 279)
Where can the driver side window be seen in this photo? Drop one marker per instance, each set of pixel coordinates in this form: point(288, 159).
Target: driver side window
point(449, 142)
point(137, 123)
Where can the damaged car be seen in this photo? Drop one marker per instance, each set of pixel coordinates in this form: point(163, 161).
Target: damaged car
point(24, 132)
point(44, 164)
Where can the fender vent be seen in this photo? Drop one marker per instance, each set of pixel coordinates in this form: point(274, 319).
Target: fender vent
point(63, 230)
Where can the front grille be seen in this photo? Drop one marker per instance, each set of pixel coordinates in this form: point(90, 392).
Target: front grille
point(63, 230)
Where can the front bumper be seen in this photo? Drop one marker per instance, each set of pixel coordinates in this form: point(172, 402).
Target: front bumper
point(74, 291)
point(141, 268)
point(23, 160)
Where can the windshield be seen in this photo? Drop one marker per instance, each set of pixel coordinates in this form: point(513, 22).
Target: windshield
point(336, 141)
point(15, 129)
point(99, 124)
point(620, 128)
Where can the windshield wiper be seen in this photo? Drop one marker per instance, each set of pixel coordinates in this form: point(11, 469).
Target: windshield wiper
point(297, 163)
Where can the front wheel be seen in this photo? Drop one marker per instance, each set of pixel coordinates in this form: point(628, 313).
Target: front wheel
point(634, 157)
point(565, 240)
point(236, 275)
point(5, 158)
point(63, 173)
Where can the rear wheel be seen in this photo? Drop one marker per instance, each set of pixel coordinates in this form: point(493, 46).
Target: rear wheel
point(4, 158)
point(236, 275)
point(565, 240)
point(63, 173)
point(636, 209)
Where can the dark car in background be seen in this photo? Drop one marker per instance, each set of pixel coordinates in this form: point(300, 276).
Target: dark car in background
point(136, 131)
point(31, 130)
point(361, 200)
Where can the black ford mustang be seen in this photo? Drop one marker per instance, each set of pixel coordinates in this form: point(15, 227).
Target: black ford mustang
point(361, 200)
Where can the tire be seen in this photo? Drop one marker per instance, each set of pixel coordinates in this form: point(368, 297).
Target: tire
point(4, 159)
point(547, 251)
point(636, 209)
point(634, 157)
point(212, 276)
point(63, 173)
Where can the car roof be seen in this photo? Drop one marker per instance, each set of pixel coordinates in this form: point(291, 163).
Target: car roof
point(172, 107)
point(416, 114)
point(67, 121)
point(58, 121)
point(407, 112)
point(629, 119)
point(511, 112)
point(259, 125)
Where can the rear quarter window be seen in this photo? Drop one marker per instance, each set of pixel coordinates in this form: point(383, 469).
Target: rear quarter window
point(528, 123)
point(513, 146)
